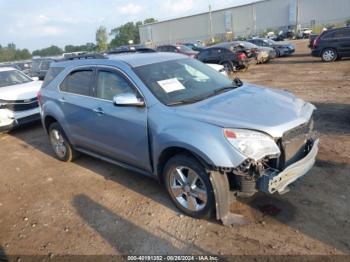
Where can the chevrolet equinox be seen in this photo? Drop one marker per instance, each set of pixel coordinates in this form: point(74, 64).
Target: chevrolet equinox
point(206, 138)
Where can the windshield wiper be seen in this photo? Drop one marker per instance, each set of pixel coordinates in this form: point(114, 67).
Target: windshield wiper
point(188, 101)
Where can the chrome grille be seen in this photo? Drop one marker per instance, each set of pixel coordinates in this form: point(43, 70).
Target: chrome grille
point(294, 142)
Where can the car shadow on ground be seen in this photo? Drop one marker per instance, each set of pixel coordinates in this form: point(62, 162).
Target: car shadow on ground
point(265, 205)
point(3, 256)
point(135, 240)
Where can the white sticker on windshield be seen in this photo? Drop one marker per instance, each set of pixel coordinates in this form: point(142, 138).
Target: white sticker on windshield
point(171, 85)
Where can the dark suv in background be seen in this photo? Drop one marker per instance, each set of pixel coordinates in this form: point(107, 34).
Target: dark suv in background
point(332, 44)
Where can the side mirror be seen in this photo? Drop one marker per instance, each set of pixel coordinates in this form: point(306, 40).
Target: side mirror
point(128, 99)
point(35, 78)
point(238, 82)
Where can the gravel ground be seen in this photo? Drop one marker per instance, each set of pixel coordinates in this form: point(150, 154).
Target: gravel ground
point(91, 207)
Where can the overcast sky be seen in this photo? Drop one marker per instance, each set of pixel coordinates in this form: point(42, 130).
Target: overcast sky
point(36, 24)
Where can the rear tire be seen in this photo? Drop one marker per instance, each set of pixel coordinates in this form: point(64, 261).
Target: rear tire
point(62, 148)
point(189, 186)
point(278, 53)
point(228, 67)
point(329, 55)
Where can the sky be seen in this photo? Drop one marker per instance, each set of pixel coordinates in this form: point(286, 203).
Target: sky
point(36, 24)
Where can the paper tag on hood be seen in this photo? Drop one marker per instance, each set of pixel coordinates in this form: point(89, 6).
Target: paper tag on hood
point(171, 85)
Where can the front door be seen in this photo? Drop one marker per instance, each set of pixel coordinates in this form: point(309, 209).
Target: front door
point(120, 132)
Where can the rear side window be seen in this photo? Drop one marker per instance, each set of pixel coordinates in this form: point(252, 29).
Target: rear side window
point(51, 74)
point(78, 82)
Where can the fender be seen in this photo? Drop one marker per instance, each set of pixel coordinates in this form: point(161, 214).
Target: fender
point(204, 140)
point(50, 108)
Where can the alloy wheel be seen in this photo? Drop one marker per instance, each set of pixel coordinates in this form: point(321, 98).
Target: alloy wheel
point(329, 55)
point(58, 143)
point(188, 188)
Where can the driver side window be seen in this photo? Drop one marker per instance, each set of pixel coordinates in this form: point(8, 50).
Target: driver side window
point(109, 84)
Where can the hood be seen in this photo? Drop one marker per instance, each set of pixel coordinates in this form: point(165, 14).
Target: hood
point(20, 92)
point(251, 107)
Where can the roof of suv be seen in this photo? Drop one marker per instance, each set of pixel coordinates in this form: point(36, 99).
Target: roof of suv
point(132, 59)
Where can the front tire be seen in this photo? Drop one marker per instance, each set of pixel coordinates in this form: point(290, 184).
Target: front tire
point(62, 148)
point(189, 186)
point(329, 55)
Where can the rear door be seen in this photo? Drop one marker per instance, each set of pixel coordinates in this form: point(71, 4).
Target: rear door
point(119, 132)
point(75, 99)
point(343, 41)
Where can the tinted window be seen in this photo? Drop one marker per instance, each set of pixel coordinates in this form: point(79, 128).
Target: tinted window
point(110, 84)
point(45, 65)
point(78, 82)
point(51, 74)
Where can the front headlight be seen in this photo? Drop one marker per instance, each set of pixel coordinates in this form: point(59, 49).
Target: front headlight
point(252, 144)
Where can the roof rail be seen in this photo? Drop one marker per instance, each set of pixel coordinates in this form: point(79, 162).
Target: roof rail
point(85, 56)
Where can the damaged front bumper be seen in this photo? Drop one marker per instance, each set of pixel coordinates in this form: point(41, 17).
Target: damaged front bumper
point(273, 181)
point(10, 120)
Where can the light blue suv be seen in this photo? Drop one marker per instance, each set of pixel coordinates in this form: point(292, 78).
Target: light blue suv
point(205, 138)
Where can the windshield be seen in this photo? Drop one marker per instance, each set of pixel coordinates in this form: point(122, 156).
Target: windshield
point(182, 81)
point(13, 77)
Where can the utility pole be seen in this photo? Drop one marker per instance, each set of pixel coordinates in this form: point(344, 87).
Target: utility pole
point(297, 16)
point(210, 25)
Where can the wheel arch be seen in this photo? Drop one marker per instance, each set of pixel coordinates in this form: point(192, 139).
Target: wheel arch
point(48, 120)
point(170, 152)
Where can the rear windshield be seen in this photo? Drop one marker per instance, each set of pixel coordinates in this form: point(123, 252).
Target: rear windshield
point(51, 74)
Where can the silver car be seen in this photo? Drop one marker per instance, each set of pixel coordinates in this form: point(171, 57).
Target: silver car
point(171, 117)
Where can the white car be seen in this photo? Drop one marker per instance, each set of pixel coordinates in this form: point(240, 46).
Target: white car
point(219, 68)
point(18, 98)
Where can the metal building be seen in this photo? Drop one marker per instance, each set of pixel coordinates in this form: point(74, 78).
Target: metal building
point(245, 20)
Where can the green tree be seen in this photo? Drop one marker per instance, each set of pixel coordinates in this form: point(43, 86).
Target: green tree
point(10, 53)
point(102, 38)
point(129, 31)
point(49, 51)
point(149, 20)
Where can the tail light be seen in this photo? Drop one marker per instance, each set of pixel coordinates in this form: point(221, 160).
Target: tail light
point(38, 96)
point(315, 42)
point(241, 56)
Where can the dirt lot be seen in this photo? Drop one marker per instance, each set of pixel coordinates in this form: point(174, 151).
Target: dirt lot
point(92, 207)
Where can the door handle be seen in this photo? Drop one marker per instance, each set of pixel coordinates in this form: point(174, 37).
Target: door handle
point(98, 111)
point(62, 100)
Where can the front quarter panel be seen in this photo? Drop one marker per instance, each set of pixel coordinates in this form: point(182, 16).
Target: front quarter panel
point(204, 140)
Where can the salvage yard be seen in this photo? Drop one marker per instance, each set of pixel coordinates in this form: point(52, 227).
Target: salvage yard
point(48, 207)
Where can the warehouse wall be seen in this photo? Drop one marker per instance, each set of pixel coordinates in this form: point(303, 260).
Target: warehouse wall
point(245, 20)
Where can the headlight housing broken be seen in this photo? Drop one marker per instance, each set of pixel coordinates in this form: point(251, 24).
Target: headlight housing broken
point(252, 144)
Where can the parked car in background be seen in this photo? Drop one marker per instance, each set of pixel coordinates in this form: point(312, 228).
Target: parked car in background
point(40, 66)
point(262, 54)
point(204, 137)
point(304, 33)
point(131, 49)
point(312, 38)
point(181, 49)
point(25, 66)
point(18, 99)
point(195, 46)
point(332, 44)
point(219, 68)
point(231, 58)
point(282, 49)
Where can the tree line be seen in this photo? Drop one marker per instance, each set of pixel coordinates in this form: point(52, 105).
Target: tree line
point(120, 35)
point(11, 53)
